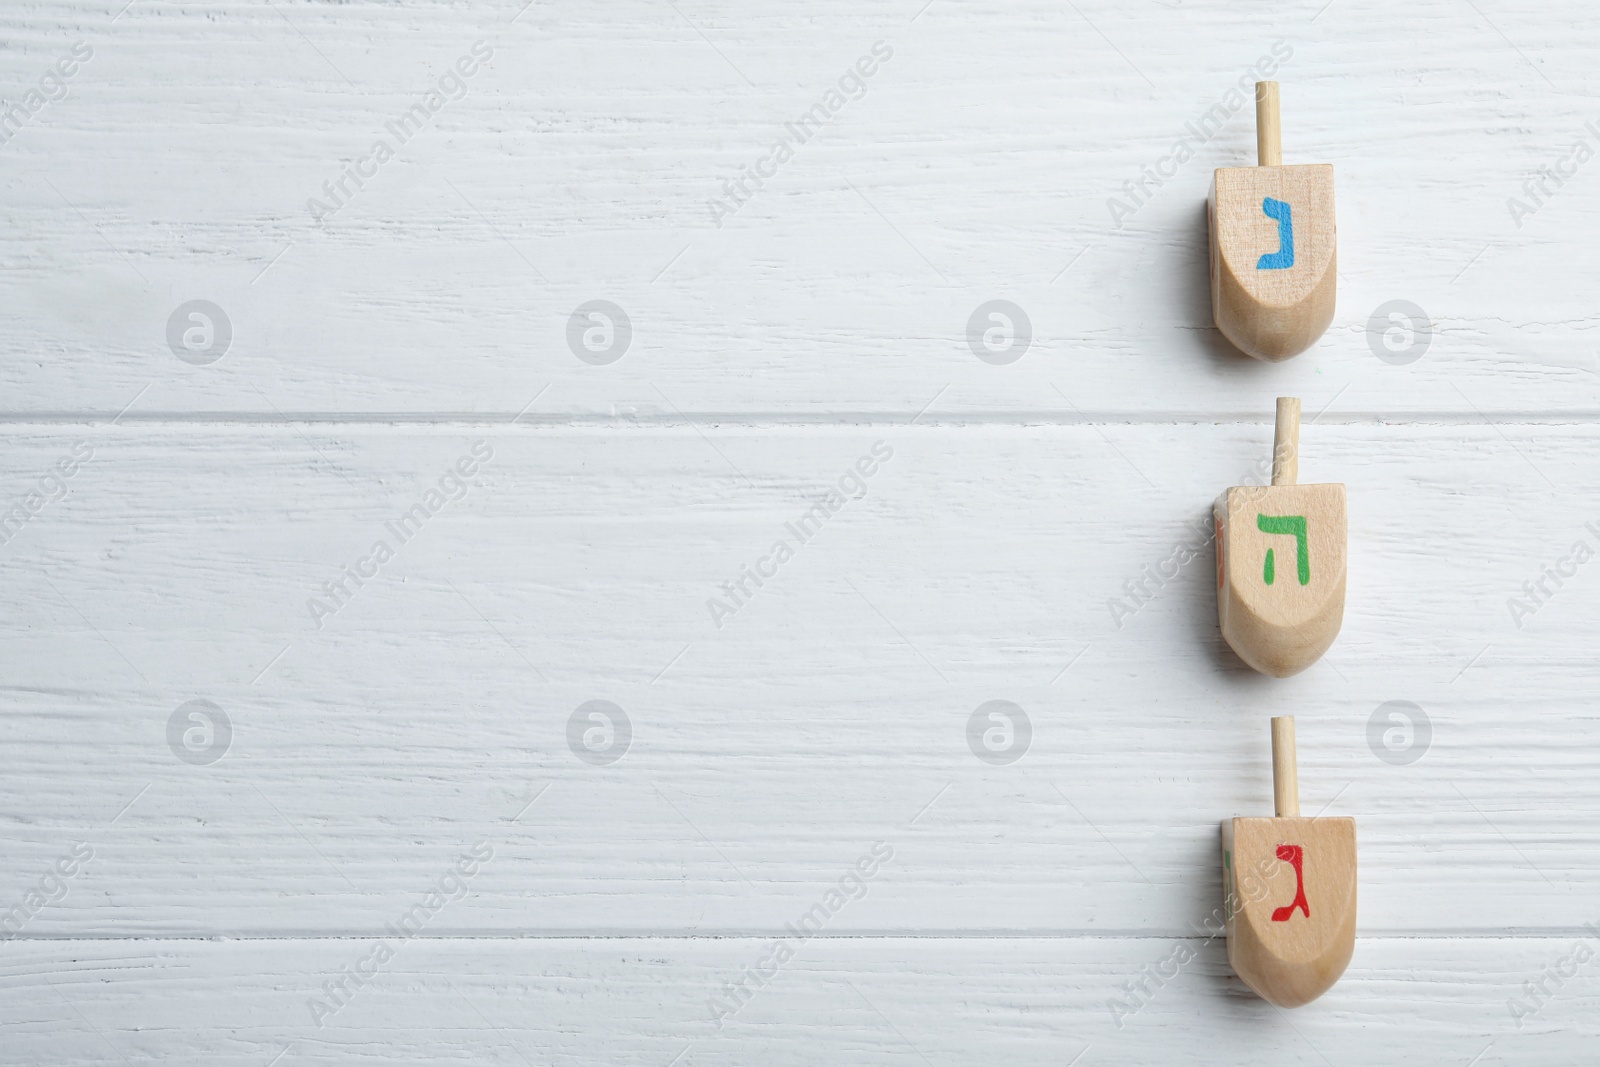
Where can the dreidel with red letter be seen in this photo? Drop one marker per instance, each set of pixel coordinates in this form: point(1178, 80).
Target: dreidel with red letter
point(1273, 262)
point(1289, 891)
point(1281, 561)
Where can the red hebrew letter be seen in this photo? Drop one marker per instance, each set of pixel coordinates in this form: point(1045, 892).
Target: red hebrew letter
point(1295, 855)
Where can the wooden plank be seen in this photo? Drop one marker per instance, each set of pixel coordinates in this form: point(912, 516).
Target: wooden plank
point(981, 163)
point(830, 711)
point(897, 1000)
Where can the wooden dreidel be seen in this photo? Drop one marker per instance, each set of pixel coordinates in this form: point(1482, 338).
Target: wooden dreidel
point(1289, 891)
point(1281, 561)
point(1272, 246)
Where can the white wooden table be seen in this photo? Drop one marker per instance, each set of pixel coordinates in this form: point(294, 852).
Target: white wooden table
point(193, 883)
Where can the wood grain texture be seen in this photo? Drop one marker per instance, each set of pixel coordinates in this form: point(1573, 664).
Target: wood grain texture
point(979, 165)
point(891, 1001)
point(832, 709)
point(1028, 571)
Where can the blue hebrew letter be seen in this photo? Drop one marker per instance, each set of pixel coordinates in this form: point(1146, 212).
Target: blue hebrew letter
point(1283, 258)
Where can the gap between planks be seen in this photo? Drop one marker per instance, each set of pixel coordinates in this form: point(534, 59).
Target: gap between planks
point(53, 420)
point(1485, 934)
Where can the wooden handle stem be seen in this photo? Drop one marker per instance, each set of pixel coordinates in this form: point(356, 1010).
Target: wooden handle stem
point(1285, 778)
point(1286, 442)
point(1269, 138)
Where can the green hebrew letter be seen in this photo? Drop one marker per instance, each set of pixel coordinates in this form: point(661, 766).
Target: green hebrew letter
point(1287, 524)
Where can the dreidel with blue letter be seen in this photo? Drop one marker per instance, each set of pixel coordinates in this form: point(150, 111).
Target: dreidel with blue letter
point(1281, 561)
point(1272, 246)
point(1289, 890)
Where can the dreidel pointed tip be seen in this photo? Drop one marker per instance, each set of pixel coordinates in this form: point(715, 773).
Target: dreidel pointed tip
point(1289, 887)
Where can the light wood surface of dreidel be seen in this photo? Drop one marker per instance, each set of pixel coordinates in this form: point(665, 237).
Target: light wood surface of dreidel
point(1289, 891)
point(1281, 561)
point(1273, 262)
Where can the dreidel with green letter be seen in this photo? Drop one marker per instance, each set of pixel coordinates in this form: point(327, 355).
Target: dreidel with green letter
point(1281, 561)
point(1273, 262)
point(1289, 891)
